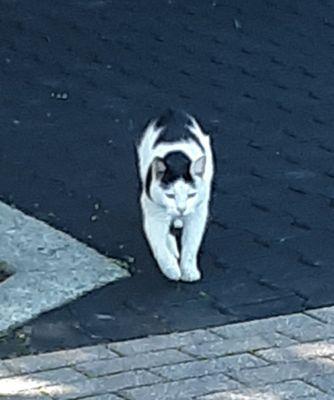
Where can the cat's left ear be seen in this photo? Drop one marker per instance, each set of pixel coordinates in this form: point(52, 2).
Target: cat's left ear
point(198, 167)
point(159, 167)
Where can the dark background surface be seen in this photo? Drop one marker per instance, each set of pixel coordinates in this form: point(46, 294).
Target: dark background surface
point(79, 79)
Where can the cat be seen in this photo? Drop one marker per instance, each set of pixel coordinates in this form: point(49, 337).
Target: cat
point(176, 169)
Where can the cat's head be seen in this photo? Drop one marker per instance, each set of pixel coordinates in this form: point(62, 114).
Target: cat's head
point(176, 182)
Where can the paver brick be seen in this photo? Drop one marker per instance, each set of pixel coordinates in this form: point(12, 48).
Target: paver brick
point(249, 328)
point(290, 390)
point(41, 362)
point(206, 367)
point(298, 326)
point(136, 361)
point(238, 345)
point(304, 328)
point(182, 390)
point(173, 340)
point(104, 385)
point(103, 397)
point(325, 383)
point(325, 314)
point(4, 371)
point(277, 372)
point(299, 351)
point(28, 396)
point(321, 396)
point(16, 384)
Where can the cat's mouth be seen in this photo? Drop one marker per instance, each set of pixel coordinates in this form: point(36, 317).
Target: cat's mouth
point(179, 215)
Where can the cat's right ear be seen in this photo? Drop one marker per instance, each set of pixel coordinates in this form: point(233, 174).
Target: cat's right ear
point(158, 167)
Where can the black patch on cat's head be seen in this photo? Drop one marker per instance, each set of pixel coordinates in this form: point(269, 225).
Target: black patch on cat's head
point(177, 167)
point(175, 128)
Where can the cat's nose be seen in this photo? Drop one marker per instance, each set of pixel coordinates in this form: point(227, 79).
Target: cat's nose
point(181, 210)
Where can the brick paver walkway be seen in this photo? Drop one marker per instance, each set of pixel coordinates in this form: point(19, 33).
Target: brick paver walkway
point(286, 357)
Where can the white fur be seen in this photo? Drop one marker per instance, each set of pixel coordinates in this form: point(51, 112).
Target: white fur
point(160, 211)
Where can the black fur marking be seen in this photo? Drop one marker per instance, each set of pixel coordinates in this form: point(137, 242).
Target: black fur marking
point(177, 233)
point(177, 167)
point(148, 181)
point(175, 128)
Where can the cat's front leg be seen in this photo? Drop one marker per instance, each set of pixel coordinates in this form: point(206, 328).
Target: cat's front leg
point(193, 231)
point(157, 233)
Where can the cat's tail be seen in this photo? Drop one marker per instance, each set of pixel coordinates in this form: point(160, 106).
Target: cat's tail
point(145, 147)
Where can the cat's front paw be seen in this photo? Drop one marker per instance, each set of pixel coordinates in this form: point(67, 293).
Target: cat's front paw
point(190, 272)
point(191, 275)
point(172, 273)
point(170, 268)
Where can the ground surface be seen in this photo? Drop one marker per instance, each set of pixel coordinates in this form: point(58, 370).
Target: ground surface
point(79, 81)
point(282, 358)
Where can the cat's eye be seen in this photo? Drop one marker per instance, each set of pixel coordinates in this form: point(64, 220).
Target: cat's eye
point(170, 195)
point(192, 194)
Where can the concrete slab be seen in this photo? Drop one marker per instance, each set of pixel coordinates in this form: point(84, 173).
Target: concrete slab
point(49, 268)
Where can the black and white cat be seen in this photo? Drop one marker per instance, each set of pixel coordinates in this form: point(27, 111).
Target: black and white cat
point(176, 170)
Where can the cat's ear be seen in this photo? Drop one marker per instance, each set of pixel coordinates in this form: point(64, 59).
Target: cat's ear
point(198, 167)
point(158, 167)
